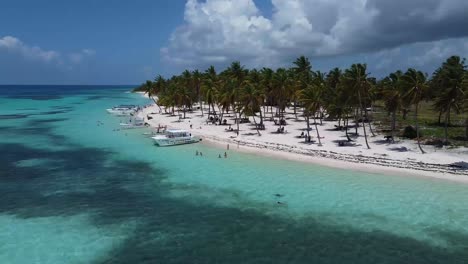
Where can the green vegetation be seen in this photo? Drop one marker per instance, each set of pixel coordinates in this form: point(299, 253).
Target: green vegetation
point(436, 106)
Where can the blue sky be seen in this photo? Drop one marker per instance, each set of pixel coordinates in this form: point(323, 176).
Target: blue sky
point(127, 42)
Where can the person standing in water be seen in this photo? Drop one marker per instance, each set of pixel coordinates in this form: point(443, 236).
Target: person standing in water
point(225, 155)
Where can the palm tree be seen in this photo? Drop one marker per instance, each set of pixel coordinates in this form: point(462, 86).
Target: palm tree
point(209, 89)
point(183, 98)
point(449, 78)
point(465, 102)
point(253, 97)
point(356, 80)
point(266, 84)
point(236, 75)
point(332, 96)
point(302, 72)
point(159, 87)
point(281, 82)
point(149, 89)
point(415, 82)
point(168, 99)
point(311, 99)
point(318, 81)
point(393, 94)
point(197, 80)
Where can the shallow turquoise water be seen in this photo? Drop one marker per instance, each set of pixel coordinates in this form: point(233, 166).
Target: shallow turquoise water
point(76, 191)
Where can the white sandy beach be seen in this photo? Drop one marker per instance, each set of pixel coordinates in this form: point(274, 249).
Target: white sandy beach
point(401, 157)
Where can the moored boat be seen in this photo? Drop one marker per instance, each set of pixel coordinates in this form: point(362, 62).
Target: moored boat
point(174, 137)
point(135, 122)
point(122, 110)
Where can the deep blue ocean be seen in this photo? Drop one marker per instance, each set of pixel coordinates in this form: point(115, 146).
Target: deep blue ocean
point(76, 189)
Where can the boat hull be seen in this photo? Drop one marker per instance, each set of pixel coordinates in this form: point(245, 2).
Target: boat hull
point(167, 142)
point(129, 126)
point(120, 112)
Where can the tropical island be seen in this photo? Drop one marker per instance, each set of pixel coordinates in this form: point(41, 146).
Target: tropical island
point(407, 121)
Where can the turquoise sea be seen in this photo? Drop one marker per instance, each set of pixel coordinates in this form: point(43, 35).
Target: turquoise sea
point(75, 190)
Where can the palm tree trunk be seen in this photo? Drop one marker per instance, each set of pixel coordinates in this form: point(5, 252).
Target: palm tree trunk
point(440, 116)
point(446, 128)
point(261, 116)
point(417, 127)
point(466, 129)
point(356, 120)
point(346, 127)
point(362, 119)
point(152, 98)
point(447, 116)
point(256, 126)
point(295, 112)
point(369, 122)
point(321, 117)
point(393, 125)
point(308, 126)
point(318, 135)
point(221, 110)
point(237, 121)
point(200, 102)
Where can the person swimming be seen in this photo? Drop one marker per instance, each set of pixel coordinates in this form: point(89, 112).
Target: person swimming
point(196, 153)
point(219, 156)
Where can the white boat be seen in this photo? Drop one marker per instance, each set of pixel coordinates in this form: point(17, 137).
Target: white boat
point(155, 132)
point(135, 122)
point(174, 137)
point(122, 110)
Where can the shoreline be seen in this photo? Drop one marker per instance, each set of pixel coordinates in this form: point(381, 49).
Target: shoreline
point(359, 166)
point(328, 155)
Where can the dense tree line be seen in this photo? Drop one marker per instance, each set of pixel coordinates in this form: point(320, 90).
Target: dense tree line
point(342, 95)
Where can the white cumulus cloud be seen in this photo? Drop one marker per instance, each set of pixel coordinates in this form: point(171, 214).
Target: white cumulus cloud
point(220, 31)
point(14, 45)
point(17, 47)
point(77, 57)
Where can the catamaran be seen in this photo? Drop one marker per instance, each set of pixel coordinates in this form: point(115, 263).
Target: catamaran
point(174, 137)
point(122, 110)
